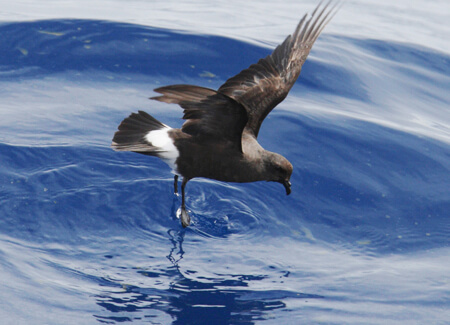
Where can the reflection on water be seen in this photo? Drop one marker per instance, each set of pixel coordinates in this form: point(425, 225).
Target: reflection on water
point(188, 301)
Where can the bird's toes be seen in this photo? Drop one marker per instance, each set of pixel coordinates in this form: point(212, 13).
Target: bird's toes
point(185, 218)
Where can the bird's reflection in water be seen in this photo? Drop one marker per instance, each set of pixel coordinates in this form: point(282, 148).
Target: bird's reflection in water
point(188, 301)
point(176, 253)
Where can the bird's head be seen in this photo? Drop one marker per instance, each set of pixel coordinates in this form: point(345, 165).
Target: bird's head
point(278, 169)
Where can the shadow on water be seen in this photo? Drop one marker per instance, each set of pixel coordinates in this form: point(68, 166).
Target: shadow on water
point(187, 301)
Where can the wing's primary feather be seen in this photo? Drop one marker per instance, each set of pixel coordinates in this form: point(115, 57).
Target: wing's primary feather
point(265, 84)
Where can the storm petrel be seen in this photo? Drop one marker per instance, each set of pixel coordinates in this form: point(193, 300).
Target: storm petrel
point(218, 140)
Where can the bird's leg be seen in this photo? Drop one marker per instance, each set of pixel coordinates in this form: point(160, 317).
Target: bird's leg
point(185, 219)
point(175, 184)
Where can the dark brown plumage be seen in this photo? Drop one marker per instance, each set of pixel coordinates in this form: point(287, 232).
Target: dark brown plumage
point(219, 138)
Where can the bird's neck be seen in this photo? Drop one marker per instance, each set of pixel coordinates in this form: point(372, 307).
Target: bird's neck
point(251, 149)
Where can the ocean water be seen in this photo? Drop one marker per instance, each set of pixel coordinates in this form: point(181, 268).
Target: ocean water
point(90, 236)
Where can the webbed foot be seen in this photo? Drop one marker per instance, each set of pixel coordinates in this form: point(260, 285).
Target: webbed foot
point(185, 218)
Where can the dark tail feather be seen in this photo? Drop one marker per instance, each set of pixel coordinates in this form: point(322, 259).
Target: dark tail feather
point(132, 132)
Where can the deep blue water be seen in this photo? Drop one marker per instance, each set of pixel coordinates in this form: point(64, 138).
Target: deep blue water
point(88, 235)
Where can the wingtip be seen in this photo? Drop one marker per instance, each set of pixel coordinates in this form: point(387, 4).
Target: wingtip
point(310, 29)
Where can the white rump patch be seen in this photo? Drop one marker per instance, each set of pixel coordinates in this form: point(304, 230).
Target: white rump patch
point(166, 149)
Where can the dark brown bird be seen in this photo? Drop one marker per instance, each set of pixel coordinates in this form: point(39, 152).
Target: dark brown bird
point(219, 138)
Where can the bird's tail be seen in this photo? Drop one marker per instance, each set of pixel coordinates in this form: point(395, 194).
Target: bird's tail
point(133, 134)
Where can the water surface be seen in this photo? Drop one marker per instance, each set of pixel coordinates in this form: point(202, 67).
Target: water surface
point(88, 235)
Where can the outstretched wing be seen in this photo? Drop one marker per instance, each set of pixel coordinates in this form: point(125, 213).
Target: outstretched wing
point(265, 84)
point(207, 113)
